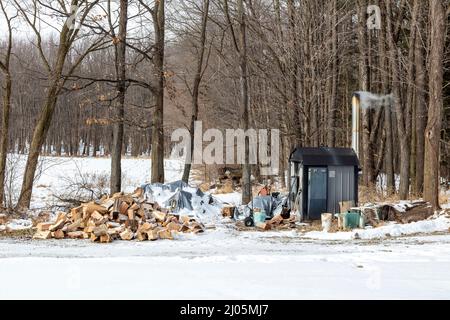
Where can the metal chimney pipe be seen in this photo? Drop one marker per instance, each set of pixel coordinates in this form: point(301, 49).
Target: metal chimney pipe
point(355, 122)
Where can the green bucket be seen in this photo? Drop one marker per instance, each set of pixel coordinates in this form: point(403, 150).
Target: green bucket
point(352, 220)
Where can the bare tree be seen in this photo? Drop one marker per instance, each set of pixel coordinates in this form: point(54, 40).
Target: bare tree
point(433, 129)
point(120, 66)
point(7, 91)
point(402, 110)
point(420, 103)
point(67, 36)
point(196, 86)
point(157, 13)
point(240, 45)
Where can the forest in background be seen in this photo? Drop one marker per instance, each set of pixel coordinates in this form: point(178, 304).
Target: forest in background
point(135, 70)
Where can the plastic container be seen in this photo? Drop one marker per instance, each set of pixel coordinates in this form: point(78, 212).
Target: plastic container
point(351, 220)
point(327, 218)
point(259, 216)
point(362, 221)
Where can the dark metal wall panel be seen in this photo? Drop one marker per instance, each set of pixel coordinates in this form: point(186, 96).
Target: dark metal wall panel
point(341, 186)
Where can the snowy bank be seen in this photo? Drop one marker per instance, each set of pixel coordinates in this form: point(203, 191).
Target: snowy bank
point(438, 224)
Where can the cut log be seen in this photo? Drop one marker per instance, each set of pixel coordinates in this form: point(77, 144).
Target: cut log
point(174, 226)
point(278, 219)
point(263, 226)
point(123, 207)
point(185, 227)
point(74, 226)
point(3, 219)
point(100, 230)
point(130, 214)
point(166, 222)
point(96, 215)
point(106, 238)
point(58, 225)
point(152, 235)
point(114, 232)
point(165, 234)
point(141, 212)
point(196, 227)
point(115, 209)
point(43, 235)
point(132, 224)
point(112, 224)
point(228, 211)
point(159, 216)
point(61, 216)
point(134, 207)
point(185, 219)
point(89, 229)
point(44, 226)
point(145, 227)
point(75, 235)
point(108, 203)
point(58, 234)
point(138, 193)
point(126, 235)
point(76, 213)
point(92, 206)
point(141, 236)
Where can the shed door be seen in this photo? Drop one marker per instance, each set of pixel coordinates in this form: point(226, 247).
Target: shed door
point(317, 192)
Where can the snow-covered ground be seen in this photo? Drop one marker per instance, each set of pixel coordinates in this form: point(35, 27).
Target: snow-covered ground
point(226, 264)
point(440, 223)
point(223, 263)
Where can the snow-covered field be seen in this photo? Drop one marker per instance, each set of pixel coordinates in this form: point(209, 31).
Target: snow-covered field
point(224, 263)
point(55, 172)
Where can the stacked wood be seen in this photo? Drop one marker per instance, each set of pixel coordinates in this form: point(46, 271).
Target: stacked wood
point(280, 223)
point(228, 211)
point(120, 217)
point(413, 212)
point(3, 219)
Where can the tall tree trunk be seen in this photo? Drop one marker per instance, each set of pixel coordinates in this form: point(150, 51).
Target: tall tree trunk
point(39, 134)
point(7, 90)
point(4, 132)
point(43, 124)
point(389, 157)
point(245, 118)
point(403, 125)
point(367, 155)
point(56, 81)
point(118, 126)
point(158, 115)
point(196, 88)
point(421, 108)
point(331, 130)
point(433, 129)
point(293, 72)
point(410, 93)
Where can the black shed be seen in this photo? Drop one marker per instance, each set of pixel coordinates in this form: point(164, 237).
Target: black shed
point(321, 178)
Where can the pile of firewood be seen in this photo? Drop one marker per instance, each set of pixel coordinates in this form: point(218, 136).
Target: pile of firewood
point(278, 222)
point(3, 219)
point(122, 216)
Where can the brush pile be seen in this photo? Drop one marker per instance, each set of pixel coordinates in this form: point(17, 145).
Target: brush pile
point(122, 216)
